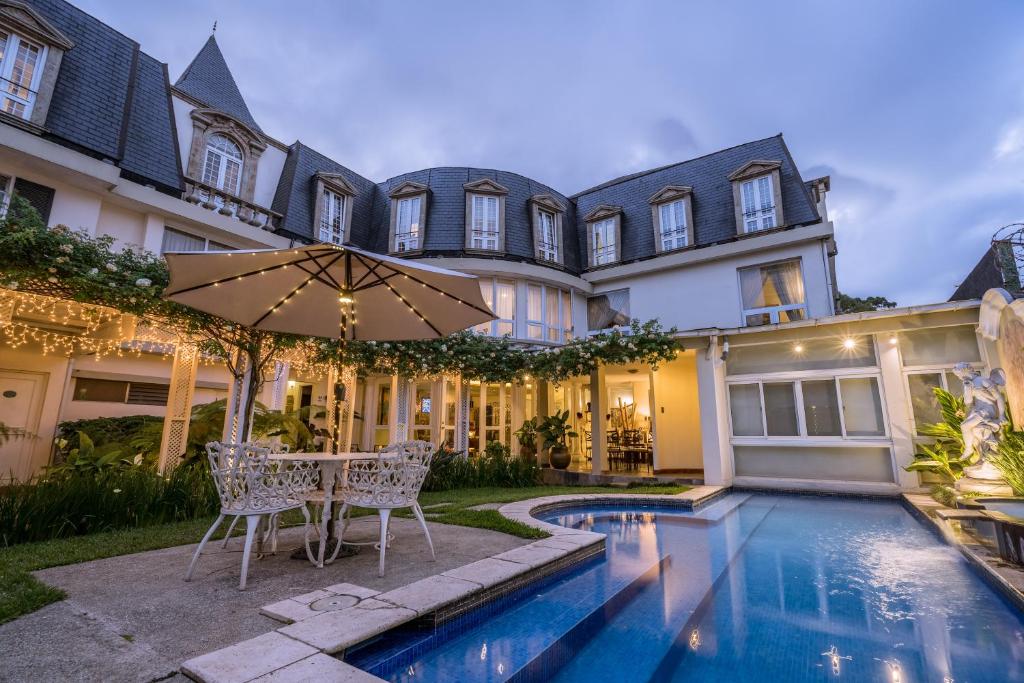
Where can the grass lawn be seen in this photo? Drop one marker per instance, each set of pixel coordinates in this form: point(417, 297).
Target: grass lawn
point(21, 593)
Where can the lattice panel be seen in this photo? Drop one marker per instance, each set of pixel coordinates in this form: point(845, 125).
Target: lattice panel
point(179, 404)
point(462, 418)
point(401, 429)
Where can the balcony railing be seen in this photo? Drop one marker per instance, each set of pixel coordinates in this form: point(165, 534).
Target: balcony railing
point(227, 204)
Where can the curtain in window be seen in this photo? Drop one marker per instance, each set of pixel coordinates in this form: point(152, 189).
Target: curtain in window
point(745, 407)
point(787, 281)
point(175, 240)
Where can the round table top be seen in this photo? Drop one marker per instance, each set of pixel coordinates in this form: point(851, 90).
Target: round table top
point(322, 457)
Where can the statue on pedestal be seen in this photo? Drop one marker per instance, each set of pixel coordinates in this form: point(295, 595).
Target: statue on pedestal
point(986, 415)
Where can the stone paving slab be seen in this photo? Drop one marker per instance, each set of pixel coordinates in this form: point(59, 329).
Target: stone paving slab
point(334, 631)
point(429, 594)
point(319, 667)
point(247, 660)
point(533, 555)
point(487, 572)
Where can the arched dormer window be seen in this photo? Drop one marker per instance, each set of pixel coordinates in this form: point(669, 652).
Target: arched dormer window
point(222, 167)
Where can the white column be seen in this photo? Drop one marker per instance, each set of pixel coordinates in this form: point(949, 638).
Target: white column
point(461, 415)
point(598, 423)
point(399, 423)
point(518, 398)
point(153, 233)
point(897, 410)
point(279, 387)
point(349, 378)
point(543, 398)
point(179, 405)
point(714, 416)
point(331, 410)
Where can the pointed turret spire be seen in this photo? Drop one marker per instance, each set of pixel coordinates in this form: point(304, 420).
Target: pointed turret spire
point(209, 80)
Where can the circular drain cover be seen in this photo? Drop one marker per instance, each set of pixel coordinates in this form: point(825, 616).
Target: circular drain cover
point(333, 603)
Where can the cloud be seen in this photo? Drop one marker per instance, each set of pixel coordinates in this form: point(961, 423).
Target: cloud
point(1011, 141)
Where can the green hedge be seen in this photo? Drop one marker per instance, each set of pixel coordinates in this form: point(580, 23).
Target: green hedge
point(496, 467)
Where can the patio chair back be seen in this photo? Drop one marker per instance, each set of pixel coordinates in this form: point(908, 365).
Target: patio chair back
point(391, 479)
point(248, 482)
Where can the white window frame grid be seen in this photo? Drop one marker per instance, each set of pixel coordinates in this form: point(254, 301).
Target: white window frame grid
point(332, 217)
point(759, 213)
point(6, 192)
point(802, 438)
point(222, 165)
point(676, 238)
point(10, 52)
point(940, 369)
point(493, 325)
point(481, 234)
point(407, 236)
point(548, 247)
point(563, 331)
point(603, 255)
point(772, 311)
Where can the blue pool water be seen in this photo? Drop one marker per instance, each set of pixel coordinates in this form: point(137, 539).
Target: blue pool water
point(749, 588)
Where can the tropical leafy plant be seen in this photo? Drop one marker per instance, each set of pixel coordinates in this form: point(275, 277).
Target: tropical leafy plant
point(451, 469)
point(944, 455)
point(1009, 459)
point(87, 458)
point(527, 434)
point(555, 429)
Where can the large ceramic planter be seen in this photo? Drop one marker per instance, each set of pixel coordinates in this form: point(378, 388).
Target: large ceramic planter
point(559, 456)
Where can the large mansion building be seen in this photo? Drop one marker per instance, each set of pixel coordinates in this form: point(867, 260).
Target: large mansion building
point(734, 248)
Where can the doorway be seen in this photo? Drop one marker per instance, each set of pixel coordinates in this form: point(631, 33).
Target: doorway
point(21, 402)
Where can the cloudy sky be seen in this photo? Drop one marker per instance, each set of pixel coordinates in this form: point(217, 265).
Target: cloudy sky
point(916, 109)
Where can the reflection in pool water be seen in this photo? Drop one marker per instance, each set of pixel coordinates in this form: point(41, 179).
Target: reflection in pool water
point(750, 588)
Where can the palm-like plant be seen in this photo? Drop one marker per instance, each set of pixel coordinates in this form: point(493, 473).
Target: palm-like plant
point(555, 429)
point(945, 455)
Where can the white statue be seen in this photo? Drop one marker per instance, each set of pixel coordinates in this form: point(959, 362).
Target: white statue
point(986, 415)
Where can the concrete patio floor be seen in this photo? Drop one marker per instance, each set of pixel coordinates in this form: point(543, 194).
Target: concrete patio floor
point(133, 618)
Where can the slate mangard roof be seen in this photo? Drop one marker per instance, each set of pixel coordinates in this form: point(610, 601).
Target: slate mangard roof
point(209, 80)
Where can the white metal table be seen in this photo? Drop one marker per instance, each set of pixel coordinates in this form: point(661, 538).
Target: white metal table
point(331, 465)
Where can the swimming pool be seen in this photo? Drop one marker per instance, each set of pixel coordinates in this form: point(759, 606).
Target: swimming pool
point(749, 588)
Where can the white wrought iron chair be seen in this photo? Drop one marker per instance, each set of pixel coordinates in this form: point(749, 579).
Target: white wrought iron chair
point(388, 481)
point(274, 447)
point(252, 486)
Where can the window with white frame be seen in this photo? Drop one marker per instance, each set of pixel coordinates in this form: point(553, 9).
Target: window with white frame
point(407, 224)
point(222, 167)
point(928, 357)
point(178, 240)
point(484, 223)
point(772, 293)
point(602, 235)
point(21, 67)
point(548, 239)
point(829, 407)
point(548, 313)
point(500, 296)
point(332, 217)
point(672, 221)
point(758, 198)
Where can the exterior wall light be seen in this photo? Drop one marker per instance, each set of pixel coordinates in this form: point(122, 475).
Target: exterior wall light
point(849, 343)
point(798, 348)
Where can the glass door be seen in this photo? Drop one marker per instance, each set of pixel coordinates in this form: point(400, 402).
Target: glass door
point(382, 416)
point(422, 409)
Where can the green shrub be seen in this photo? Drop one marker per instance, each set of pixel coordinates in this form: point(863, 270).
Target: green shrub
point(451, 469)
point(77, 503)
point(129, 440)
point(1009, 459)
point(944, 455)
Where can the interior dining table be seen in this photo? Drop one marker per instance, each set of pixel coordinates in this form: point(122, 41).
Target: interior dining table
point(333, 467)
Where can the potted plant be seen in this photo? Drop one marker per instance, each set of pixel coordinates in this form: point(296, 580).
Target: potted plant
point(527, 437)
point(555, 429)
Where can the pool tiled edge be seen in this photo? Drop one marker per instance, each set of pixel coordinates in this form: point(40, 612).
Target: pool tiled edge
point(300, 650)
point(1003, 577)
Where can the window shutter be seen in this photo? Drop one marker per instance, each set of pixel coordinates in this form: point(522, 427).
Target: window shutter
point(147, 394)
point(39, 197)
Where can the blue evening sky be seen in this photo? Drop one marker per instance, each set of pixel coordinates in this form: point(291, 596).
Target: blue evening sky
point(916, 109)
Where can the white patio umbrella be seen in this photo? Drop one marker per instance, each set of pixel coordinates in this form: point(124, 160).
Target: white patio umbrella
point(325, 290)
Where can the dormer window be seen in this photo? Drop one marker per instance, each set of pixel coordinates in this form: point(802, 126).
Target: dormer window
point(757, 196)
point(222, 168)
point(408, 218)
point(485, 215)
point(31, 50)
point(407, 226)
point(672, 215)
point(20, 72)
point(484, 225)
point(333, 216)
point(547, 228)
point(604, 232)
